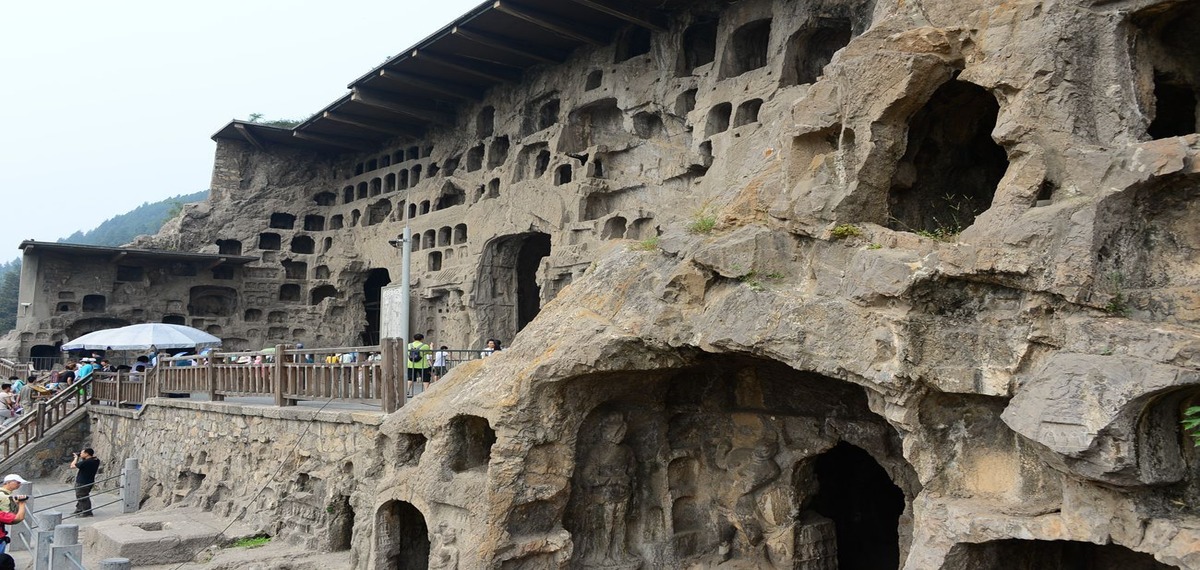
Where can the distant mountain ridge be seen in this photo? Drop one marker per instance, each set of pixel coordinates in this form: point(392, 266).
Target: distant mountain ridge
point(117, 230)
point(142, 220)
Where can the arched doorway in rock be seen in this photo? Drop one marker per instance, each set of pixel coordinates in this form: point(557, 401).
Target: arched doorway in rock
point(1016, 554)
point(401, 537)
point(735, 434)
point(858, 502)
point(509, 293)
point(341, 524)
point(372, 296)
point(44, 356)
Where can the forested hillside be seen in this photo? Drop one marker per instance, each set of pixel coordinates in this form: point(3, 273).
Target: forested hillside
point(144, 219)
point(118, 230)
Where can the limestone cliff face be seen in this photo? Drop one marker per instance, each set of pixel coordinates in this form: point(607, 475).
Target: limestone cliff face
point(927, 265)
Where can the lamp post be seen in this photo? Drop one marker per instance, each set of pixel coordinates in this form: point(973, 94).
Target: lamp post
point(404, 242)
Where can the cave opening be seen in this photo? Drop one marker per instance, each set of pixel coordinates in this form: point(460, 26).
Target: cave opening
point(402, 537)
point(1167, 58)
point(811, 48)
point(1016, 554)
point(510, 295)
point(951, 167)
point(372, 302)
point(864, 504)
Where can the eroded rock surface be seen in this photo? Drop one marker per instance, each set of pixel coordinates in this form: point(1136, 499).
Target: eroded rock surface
point(877, 284)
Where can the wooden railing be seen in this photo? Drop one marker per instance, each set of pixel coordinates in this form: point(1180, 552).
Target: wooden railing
point(33, 424)
point(10, 368)
point(119, 389)
point(374, 373)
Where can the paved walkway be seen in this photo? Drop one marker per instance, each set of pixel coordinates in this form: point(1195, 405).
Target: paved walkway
point(273, 555)
point(43, 502)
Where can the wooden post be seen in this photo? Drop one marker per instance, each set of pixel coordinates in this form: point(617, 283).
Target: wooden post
point(389, 375)
point(211, 372)
point(41, 418)
point(117, 378)
point(277, 379)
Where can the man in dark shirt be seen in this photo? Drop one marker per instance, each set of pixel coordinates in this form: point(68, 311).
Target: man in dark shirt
point(87, 464)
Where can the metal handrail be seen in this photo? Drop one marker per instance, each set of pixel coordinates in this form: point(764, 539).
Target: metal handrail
point(94, 483)
point(73, 560)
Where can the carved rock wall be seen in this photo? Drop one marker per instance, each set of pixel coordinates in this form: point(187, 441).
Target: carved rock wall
point(953, 266)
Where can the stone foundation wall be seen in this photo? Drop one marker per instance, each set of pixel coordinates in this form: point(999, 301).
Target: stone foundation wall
point(313, 468)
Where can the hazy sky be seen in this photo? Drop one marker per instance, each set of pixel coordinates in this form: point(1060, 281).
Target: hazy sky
point(107, 105)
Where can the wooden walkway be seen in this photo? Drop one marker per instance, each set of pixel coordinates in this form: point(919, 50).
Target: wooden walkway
point(286, 374)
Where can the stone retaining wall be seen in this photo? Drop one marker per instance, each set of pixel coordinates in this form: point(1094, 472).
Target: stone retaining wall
point(295, 472)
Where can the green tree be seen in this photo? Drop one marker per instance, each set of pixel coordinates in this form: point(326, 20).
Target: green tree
point(10, 288)
point(281, 123)
point(145, 219)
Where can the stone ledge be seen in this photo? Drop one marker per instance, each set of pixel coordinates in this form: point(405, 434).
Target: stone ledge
point(270, 412)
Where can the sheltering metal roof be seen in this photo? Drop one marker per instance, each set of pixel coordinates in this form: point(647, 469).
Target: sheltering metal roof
point(424, 85)
point(114, 254)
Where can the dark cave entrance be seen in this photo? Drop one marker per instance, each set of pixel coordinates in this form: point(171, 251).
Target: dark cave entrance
point(1167, 55)
point(865, 506)
point(951, 168)
point(811, 48)
point(372, 296)
point(44, 356)
point(341, 524)
point(1015, 554)
point(402, 538)
point(529, 299)
point(510, 295)
point(1174, 108)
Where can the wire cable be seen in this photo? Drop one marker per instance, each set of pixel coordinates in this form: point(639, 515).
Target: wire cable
point(252, 500)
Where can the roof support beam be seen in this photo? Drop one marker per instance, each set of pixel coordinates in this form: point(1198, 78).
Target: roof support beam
point(336, 142)
point(536, 53)
point(627, 13)
point(249, 136)
point(384, 127)
point(456, 92)
point(495, 76)
point(546, 21)
point(379, 100)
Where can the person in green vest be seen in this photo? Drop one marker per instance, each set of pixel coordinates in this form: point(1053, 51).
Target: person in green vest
point(418, 364)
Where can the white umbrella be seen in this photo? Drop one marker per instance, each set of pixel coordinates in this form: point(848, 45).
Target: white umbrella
point(144, 336)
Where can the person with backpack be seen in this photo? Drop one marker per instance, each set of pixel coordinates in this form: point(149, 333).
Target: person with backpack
point(418, 363)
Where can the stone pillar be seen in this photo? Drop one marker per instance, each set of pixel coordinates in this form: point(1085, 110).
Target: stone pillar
point(131, 486)
point(816, 545)
point(66, 548)
point(44, 539)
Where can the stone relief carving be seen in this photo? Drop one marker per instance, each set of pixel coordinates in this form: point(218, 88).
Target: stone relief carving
point(443, 553)
point(607, 481)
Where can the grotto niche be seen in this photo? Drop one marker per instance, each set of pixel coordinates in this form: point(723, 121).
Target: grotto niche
point(737, 462)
